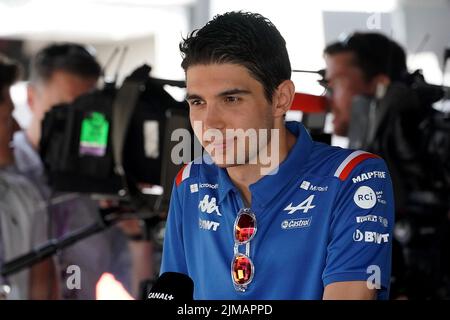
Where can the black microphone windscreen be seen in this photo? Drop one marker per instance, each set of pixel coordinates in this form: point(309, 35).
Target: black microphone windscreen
point(172, 286)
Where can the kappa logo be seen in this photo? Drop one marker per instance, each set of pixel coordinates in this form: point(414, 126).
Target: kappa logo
point(305, 206)
point(369, 175)
point(209, 206)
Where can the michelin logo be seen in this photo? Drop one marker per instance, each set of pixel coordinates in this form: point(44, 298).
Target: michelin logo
point(296, 223)
point(369, 175)
point(370, 237)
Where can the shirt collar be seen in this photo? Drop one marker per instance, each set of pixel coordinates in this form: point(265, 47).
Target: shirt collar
point(268, 187)
point(26, 157)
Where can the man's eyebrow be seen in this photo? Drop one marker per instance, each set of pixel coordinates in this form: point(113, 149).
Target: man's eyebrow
point(221, 94)
point(233, 91)
point(192, 96)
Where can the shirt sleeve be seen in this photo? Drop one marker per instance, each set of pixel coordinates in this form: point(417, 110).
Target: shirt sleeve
point(360, 242)
point(173, 256)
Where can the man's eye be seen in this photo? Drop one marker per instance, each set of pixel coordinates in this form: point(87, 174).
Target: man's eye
point(195, 102)
point(231, 99)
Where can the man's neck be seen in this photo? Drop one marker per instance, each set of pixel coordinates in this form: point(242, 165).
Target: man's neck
point(33, 133)
point(244, 175)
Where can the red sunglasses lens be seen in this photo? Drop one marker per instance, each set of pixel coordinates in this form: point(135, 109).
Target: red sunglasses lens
point(242, 270)
point(245, 228)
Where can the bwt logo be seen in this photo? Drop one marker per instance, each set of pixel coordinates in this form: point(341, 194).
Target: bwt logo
point(370, 237)
point(208, 225)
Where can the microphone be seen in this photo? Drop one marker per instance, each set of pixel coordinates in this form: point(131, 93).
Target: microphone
point(172, 286)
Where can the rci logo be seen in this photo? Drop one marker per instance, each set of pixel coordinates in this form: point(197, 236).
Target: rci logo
point(365, 197)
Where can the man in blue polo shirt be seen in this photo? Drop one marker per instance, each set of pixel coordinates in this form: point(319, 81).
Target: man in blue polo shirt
point(317, 225)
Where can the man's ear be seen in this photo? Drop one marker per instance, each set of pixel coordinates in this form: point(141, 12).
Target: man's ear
point(31, 97)
point(283, 97)
point(379, 85)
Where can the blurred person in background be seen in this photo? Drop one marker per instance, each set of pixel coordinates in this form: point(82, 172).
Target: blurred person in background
point(23, 218)
point(59, 74)
point(370, 96)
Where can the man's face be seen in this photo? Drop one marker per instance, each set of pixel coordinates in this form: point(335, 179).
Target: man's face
point(7, 126)
point(345, 81)
point(225, 96)
point(62, 87)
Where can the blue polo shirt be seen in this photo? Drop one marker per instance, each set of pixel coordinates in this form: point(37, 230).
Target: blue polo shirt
point(326, 216)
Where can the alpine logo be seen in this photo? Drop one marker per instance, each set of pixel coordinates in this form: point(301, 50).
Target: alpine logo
point(160, 296)
point(208, 225)
point(369, 175)
point(209, 206)
point(370, 237)
point(296, 223)
point(305, 206)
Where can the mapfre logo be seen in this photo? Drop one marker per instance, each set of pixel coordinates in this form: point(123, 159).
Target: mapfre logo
point(370, 237)
point(369, 175)
point(209, 205)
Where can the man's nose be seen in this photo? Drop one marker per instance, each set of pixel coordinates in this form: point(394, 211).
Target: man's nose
point(214, 118)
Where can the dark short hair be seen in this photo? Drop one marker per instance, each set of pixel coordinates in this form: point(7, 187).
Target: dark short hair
point(69, 57)
point(9, 73)
point(242, 38)
point(374, 54)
